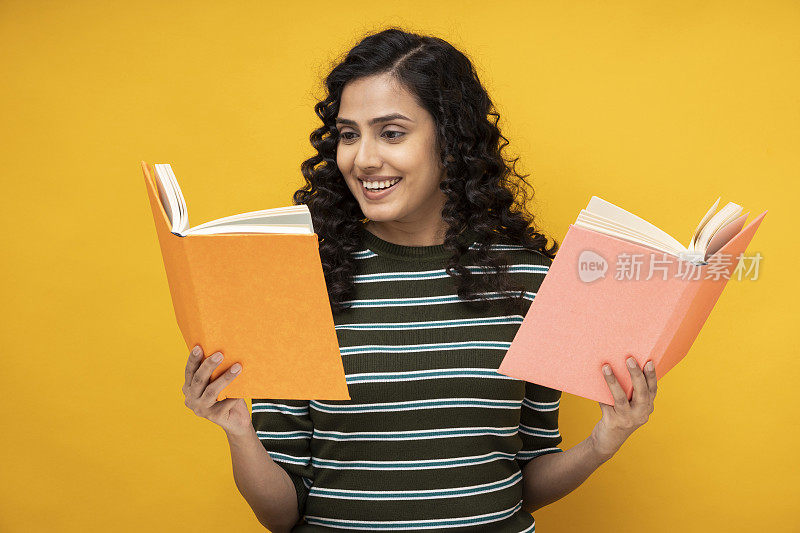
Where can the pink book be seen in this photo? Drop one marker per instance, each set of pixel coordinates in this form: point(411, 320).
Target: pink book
point(621, 288)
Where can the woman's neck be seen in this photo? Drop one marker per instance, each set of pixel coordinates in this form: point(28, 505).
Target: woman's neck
point(430, 235)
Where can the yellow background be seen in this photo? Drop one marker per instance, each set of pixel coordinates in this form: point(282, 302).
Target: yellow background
point(659, 107)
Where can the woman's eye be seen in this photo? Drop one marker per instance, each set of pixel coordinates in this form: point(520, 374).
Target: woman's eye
point(345, 135)
point(400, 133)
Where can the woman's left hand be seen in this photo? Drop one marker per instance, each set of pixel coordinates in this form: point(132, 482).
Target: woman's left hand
point(624, 417)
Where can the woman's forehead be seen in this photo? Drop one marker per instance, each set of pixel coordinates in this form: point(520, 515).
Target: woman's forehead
point(369, 98)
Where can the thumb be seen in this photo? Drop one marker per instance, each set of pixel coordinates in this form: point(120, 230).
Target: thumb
point(606, 409)
point(223, 407)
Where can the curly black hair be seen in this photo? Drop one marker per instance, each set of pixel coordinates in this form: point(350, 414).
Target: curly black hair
point(482, 194)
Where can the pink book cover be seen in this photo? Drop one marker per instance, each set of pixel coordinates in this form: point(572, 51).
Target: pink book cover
point(596, 306)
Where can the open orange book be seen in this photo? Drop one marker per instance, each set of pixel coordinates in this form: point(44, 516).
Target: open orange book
point(251, 286)
point(620, 286)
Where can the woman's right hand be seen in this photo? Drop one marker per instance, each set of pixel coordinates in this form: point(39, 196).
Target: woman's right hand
point(231, 414)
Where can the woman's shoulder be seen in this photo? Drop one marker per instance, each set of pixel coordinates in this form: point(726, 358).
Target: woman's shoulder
point(529, 262)
point(521, 254)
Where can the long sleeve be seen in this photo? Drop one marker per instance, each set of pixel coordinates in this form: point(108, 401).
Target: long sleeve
point(285, 428)
point(538, 425)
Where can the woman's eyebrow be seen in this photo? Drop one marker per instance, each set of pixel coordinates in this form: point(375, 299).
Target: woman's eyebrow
point(372, 122)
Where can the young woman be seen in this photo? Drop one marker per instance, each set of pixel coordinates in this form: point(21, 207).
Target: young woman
point(431, 265)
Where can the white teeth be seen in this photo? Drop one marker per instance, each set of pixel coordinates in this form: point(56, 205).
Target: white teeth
point(379, 184)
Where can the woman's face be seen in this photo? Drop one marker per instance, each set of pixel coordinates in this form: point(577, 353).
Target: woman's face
point(384, 135)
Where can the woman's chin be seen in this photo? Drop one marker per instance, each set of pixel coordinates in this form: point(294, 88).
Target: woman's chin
point(379, 215)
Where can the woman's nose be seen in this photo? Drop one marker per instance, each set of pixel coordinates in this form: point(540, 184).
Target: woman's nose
point(368, 154)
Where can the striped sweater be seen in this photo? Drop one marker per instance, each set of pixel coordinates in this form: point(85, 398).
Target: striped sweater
point(433, 437)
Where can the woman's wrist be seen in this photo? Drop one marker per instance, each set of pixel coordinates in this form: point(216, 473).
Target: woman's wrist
point(600, 453)
point(240, 437)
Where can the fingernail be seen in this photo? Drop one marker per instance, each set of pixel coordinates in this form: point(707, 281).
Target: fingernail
point(650, 365)
point(196, 351)
point(217, 357)
point(235, 368)
point(607, 370)
point(631, 362)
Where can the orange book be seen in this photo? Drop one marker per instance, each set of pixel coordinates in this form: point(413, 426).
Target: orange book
point(620, 286)
point(252, 287)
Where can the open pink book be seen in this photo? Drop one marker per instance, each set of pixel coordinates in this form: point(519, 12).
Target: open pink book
point(620, 286)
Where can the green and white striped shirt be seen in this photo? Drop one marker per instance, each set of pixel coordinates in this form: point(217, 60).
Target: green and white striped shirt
point(433, 437)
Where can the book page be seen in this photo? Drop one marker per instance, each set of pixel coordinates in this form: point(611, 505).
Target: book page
point(177, 211)
point(724, 235)
point(291, 216)
point(610, 211)
point(723, 217)
point(702, 223)
point(167, 195)
point(598, 223)
point(183, 212)
point(249, 228)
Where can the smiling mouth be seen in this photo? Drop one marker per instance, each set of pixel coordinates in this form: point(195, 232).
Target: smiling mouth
point(389, 184)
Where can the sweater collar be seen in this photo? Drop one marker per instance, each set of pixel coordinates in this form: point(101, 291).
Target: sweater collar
point(402, 252)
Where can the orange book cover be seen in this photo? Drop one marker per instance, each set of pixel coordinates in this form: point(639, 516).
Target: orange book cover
point(261, 300)
point(583, 316)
